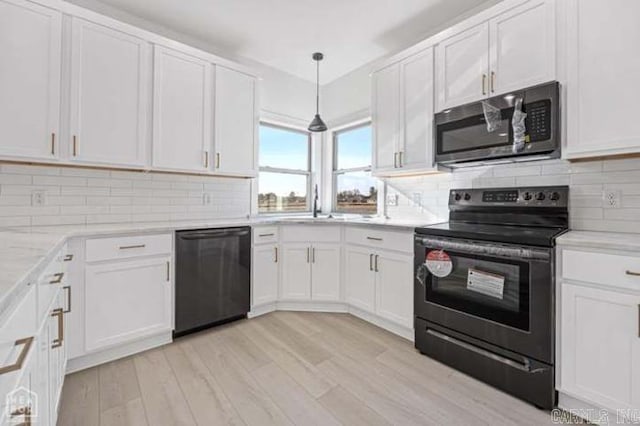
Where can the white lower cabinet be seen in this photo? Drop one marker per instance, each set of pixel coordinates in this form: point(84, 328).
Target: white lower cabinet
point(126, 300)
point(380, 283)
point(310, 271)
point(265, 274)
point(600, 346)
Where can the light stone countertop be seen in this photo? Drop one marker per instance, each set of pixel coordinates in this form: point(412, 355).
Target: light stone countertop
point(25, 251)
point(600, 240)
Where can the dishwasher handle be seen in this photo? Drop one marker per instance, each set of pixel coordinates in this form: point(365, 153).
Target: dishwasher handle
point(202, 235)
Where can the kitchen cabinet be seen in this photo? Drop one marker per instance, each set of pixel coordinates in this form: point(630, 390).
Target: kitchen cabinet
point(126, 300)
point(403, 115)
point(310, 271)
point(57, 354)
point(360, 278)
point(511, 51)
point(30, 42)
point(600, 347)
point(182, 111)
point(110, 78)
point(235, 123)
point(265, 274)
point(602, 83)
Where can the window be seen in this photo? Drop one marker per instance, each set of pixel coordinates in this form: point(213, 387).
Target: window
point(285, 164)
point(355, 191)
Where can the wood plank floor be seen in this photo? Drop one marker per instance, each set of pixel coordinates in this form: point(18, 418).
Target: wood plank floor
point(286, 368)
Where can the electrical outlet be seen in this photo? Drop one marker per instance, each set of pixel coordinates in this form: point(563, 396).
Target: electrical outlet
point(392, 199)
point(612, 199)
point(417, 199)
point(38, 198)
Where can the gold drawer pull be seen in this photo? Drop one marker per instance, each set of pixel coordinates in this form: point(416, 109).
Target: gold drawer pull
point(58, 278)
point(374, 238)
point(68, 258)
point(23, 411)
point(633, 274)
point(133, 247)
point(266, 235)
point(23, 355)
point(58, 312)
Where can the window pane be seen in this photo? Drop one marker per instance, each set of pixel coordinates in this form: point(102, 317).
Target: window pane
point(356, 193)
point(353, 148)
point(283, 149)
point(282, 192)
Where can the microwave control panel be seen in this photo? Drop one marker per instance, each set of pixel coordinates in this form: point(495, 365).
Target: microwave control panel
point(538, 121)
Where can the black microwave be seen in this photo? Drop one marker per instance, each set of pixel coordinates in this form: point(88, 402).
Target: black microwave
point(516, 126)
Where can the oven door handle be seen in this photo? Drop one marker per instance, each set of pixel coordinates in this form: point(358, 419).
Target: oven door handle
point(513, 252)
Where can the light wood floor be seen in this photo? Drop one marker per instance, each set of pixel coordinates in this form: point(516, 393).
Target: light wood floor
point(286, 368)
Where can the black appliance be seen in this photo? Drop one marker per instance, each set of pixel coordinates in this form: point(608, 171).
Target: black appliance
point(484, 297)
point(213, 277)
point(483, 132)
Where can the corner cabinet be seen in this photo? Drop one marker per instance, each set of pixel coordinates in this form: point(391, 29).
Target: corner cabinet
point(30, 44)
point(402, 115)
point(311, 271)
point(602, 78)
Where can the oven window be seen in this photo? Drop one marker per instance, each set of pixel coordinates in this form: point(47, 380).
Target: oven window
point(495, 289)
point(471, 133)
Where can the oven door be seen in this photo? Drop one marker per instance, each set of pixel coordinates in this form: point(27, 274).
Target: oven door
point(498, 293)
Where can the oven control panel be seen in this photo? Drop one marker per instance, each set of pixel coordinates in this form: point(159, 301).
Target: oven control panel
point(544, 196)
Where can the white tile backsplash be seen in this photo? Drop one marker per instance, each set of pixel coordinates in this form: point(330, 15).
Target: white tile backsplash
point(83, 196)
point(588, 182)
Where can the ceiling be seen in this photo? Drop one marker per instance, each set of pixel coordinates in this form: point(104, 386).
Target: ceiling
point(284, 33)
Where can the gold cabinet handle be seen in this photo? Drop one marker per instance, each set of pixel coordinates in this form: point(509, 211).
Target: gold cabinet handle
point(400, 159)
point(58, 312)
point(275, 252)
point(313, 255)
point(23, 411)
point(26, 346)
point(374, 238)
point(206, 159)
point(67, 288)
point(484, 84)
point(266, 235)
point(371, 262)
point(308, 254)
point(217, 160)
point(633, 274)
point(137, 246)
point(168, 271)
point(376, 264)
point(68, 258)
point(53, 144)
point(75, 145)
point(58, 278)
point(395, 160)
point(493, 81)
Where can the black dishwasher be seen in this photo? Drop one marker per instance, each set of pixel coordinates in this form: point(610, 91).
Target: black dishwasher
point(213, 277)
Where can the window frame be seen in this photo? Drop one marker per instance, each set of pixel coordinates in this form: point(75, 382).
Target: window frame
point(335, 172)
point(299, 172)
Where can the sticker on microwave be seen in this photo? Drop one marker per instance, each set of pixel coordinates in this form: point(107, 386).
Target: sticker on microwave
point(439, 263)
point(486, 283)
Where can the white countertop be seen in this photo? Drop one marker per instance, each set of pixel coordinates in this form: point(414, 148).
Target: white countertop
point(600, 240)
point(25, 251)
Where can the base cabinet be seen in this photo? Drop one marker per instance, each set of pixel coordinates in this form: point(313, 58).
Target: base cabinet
point(600, 346)
point(360, 278)
point(265, 274)
point(311, 272)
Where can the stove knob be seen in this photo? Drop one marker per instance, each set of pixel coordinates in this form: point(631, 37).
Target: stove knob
point(540, 196)
point(554, 196)
point(467, 197)
point(457, 196)
point(527, 196)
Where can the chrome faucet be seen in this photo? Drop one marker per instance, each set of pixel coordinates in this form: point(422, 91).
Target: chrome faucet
point(315, 202)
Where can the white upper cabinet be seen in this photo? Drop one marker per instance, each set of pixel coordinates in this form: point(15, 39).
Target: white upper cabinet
point(385, 114)
point(235, 122)
point(402, 115)
point(602, 78)
point(30, 44)
point(182, 111)
point(110, 75)
point(522, 52)
point(462, 63)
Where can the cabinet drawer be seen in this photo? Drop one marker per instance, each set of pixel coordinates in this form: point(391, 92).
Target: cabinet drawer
point(127, 247)
point(372, 237)
point(265, 235)
point(316, 233)
point(602, 268)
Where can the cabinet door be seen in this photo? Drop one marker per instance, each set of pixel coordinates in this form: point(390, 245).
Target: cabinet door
point(522, 47)
point(360, 278)
point(265, 274)
point(394, 288)
point(602, 78)
point(296, 272)
point(109, 85)
point(182, 111)
point(57, 355)
point(416, 148)
point(235, 122)
point(30, 42)
point(386, 117)
point(462, 67)
point(325, 272)
point(600, 356)
point(126, 301)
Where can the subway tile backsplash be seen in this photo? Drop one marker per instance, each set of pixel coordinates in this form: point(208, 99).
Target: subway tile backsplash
point(88, 196)
point(589, 183)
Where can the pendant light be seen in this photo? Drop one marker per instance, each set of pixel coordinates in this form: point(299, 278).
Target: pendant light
point(317, 125)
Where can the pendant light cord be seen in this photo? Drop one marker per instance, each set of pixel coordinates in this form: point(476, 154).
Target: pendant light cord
point(317, 87)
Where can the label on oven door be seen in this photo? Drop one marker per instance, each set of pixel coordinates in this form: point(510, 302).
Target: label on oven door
point(439, 263)
point(486, 283)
